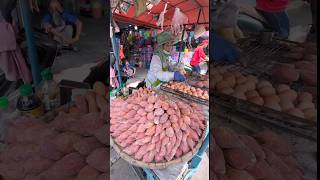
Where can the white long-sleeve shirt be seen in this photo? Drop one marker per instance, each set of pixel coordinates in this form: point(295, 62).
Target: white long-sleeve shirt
point(155, 72)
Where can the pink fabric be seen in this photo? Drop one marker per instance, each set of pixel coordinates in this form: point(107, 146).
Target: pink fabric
point(272, 6)
point(113, 79)
point(197, 56)
point(12, 62)
point(7, 36)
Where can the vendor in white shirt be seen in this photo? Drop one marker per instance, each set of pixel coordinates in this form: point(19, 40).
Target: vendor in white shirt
point(159, 71)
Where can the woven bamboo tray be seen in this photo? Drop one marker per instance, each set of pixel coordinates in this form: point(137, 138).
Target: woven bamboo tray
point(185, 158)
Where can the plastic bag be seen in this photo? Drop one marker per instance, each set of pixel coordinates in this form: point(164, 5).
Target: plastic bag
point(299, 33)
point(114, 3)
point(116, 27)
point(155, 2)
point(199, 31)
point(161, 17)
point(177, 21)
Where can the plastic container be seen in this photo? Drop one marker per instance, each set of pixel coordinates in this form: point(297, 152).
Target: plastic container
point(49, 91)
point(28, 103)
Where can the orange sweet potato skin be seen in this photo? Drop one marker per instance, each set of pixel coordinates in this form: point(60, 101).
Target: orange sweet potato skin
point(240, 158)
point(227, 138)
point(97, 159)
point(67, 167)
point(219, 165)
point(87, 173)
point(81, 103)
point(86, 145)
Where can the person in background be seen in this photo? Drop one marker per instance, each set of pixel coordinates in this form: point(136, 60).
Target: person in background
point(159, 68)
point(223, 50)
point(60, 24)
point(225, 20)
point(199, 56)
point(128, 69)
point(121, 54)
point(147, 52)
point(274, 11)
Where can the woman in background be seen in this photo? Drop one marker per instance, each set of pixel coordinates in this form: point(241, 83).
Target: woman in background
point(199, 56)
point(274, 11)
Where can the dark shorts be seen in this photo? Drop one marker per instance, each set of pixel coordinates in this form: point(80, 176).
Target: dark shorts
point(196, 69)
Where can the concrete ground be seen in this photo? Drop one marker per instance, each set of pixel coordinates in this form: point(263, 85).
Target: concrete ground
point(92, 46)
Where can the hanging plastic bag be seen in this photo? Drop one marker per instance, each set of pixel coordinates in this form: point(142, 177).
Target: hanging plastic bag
point(140, 7)
point(199, 31)
point(114, 3)
point(179, 37)
point(177, 21)
point(155, 2)
point(161, 17)
point(116, 27)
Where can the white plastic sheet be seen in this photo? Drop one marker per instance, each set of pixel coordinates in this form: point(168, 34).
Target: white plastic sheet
point(177, 21)
point(199, 31)
point(161, 17)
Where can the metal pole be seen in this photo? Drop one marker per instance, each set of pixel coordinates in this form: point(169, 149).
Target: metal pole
point(116, 54)
point(115, 46)
point(32, 53)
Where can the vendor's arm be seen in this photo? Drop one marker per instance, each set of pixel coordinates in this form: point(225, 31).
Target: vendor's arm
point(156, 67)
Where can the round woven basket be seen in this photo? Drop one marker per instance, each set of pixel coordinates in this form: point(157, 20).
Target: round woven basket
point(183, 159)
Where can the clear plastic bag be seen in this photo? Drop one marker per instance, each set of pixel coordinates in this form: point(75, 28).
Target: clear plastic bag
point(161, 17)
point(177, 21)
point(199, 31)
point(155, 2)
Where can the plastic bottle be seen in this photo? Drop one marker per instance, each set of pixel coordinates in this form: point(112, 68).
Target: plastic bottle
point(6, 114)
point(49, 91)
point(28, 103)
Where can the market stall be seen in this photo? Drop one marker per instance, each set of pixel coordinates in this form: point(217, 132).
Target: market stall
point(175, 154)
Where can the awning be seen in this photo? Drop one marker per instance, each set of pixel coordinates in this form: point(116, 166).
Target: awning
point(197, 12)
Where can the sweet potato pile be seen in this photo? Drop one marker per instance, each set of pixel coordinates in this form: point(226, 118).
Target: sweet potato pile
point(305, 65)
point(266, 155)
point(305, 71)
point(182, 87)
point(72, 146)
point(150, 128)
point(261, 92)
point(93, 101)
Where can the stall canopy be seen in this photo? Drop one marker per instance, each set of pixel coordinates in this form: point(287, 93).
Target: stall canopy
point(197, 12)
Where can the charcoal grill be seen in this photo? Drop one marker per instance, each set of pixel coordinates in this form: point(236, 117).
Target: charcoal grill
point(262, 57)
